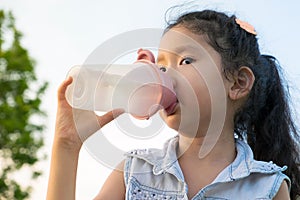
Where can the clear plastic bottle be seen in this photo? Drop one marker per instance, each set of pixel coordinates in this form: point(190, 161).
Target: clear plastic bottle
point(141, 89)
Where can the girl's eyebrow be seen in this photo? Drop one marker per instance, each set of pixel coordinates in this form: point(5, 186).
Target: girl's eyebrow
point(178, 50)
point(184, 48)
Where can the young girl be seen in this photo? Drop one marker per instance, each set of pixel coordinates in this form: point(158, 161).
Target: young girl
point(238, 164)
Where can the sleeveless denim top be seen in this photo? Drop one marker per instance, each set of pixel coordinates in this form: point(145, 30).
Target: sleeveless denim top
point(156, 174)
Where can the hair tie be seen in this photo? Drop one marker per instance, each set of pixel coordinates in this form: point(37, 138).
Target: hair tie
point(246, 26)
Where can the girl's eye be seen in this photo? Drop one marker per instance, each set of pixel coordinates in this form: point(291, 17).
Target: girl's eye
point(186, 61)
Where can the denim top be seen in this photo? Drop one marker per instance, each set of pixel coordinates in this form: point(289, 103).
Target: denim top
point(156, 174)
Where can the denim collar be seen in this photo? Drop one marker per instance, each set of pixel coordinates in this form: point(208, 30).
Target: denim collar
point(165, 161)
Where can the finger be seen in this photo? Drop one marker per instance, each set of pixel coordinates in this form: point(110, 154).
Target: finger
point(63, 87)
point(108, 117)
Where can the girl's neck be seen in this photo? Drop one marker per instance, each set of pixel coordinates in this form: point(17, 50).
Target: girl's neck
point(209, 145)
point(208, 149)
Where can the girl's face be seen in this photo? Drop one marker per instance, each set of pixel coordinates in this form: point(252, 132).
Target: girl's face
point(198, 82)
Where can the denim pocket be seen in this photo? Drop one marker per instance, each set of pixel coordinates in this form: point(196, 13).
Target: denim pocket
point(137, 191)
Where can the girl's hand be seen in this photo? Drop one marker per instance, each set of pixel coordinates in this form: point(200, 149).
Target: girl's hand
point(74, 126)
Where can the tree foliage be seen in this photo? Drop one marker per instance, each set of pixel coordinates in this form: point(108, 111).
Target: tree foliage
point(20, 99)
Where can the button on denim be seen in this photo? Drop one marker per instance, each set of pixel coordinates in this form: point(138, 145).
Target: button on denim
point(156, 174)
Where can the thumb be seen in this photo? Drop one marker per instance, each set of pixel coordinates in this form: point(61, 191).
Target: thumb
point(63, 87)
point(109, 116)
point(87, 122)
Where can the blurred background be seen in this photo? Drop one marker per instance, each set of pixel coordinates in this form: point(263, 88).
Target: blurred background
point(60, 34)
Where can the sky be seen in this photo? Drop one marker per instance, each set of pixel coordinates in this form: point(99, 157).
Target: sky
point(62, 33)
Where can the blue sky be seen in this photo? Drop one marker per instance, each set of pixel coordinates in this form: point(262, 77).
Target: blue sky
point(62, 33)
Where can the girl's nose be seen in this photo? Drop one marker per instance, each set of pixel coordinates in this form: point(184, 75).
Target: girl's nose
point(163, 69)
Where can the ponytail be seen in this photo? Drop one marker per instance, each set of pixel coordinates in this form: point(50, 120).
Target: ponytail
point(266, 121)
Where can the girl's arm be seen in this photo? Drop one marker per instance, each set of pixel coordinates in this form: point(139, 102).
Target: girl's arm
point(62, 179)
point(114, 186)
point(67, 144)
point(283, 192)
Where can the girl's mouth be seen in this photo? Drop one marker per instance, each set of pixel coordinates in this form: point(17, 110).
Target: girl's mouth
point(171, 109)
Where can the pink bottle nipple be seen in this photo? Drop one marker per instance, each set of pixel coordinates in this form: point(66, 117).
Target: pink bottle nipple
point(145, 55)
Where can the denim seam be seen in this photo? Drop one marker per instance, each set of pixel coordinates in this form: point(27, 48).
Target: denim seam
point(127, 168)
point(277, 183)
point(244, 159)
point(275, 187)
point(136, 183)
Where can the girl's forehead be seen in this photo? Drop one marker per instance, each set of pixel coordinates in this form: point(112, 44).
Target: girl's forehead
point(179, 39)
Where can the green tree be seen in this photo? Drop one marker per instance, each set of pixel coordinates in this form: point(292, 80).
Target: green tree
point(20, 98)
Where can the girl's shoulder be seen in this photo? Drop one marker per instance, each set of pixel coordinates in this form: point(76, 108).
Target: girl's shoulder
point(245, 162)
point(245, 165)
point(248, 174)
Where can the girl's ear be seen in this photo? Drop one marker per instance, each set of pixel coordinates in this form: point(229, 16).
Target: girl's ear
point(242, 83)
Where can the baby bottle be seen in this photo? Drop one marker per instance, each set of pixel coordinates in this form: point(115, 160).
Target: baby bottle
point(141, 89)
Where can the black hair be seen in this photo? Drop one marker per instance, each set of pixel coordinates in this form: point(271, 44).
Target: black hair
point(265, 120)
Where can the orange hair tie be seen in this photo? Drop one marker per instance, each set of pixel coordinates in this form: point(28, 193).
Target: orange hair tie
point(246, 26)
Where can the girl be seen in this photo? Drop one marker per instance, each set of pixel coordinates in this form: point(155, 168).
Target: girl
point(235, 162)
